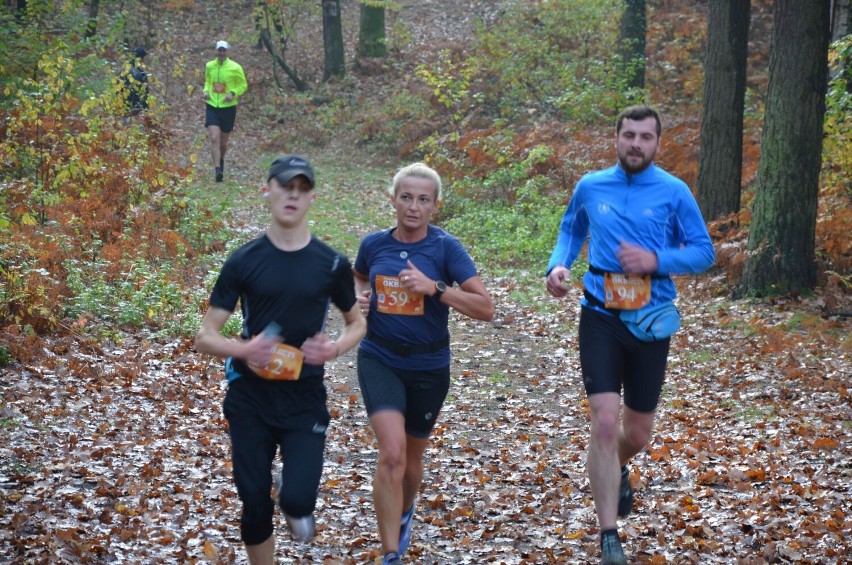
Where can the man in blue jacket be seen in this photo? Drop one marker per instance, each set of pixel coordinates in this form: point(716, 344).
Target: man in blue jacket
point(643, 225)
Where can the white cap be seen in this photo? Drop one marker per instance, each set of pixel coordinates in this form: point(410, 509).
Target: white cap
point(222, 44)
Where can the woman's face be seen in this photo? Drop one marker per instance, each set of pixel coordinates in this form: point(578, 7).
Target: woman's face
point(414, 202)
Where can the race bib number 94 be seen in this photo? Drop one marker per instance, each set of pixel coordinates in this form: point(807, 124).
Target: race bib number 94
point(626, 292)
point(285, 365)
point(393, 298)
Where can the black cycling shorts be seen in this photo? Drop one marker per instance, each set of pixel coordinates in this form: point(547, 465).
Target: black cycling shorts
point(612, 358)
point(418, 395)
point(222, 117)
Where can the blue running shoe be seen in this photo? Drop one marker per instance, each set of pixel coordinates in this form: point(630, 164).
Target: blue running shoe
point(405, 529)
point(392, 558)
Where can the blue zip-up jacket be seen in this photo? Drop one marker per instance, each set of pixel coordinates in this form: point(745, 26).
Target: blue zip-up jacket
point(652, 209)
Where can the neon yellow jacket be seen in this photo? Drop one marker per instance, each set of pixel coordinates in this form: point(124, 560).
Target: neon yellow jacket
point(219, 80)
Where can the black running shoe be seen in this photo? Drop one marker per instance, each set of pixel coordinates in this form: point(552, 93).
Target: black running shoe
point(219, 175)
point(625, 493)
point(611, 552)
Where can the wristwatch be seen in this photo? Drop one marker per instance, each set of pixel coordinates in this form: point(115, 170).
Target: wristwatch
point(440, 288)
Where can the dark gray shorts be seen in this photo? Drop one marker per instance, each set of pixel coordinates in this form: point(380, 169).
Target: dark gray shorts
point(418, 395)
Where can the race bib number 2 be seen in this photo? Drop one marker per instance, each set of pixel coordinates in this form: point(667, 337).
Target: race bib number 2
point(626, 292)
point(393, 298)
point(285, 364)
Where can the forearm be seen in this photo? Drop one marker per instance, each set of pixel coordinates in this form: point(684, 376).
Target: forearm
point(353, 331)
point(470, 304)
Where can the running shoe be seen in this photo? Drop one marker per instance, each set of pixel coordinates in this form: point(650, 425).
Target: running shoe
point(611, 552)
point(625, 493)
point(219, 175)
point(302, 528)
point(405, 529)
point(392, 558)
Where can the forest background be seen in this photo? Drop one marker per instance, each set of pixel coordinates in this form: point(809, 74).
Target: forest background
point(112, 444)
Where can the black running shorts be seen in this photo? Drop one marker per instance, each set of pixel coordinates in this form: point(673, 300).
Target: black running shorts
point(418, 395)
point(612, 358)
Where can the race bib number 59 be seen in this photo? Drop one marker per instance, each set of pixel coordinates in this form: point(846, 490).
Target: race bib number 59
point(285, 365)
point(393, 298)
point(626, 292)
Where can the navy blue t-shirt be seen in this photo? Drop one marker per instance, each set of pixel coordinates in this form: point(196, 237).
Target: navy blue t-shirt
point(440, 257)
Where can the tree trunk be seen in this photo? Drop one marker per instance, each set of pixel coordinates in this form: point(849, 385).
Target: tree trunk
point(632, 42)
point(720, 165)
point(92, 26)
point(371, 34)
point(332, 34)
point(781, 238)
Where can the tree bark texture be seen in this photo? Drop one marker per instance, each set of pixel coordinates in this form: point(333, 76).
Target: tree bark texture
point(632, 41)
point(371, 33)
point(92, 25)
point(720, 165)
point(332, 34)
point(781, 238)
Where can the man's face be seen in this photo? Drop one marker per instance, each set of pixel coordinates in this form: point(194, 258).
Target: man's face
point(222, 54)
point(289, 203)
point(636, 144)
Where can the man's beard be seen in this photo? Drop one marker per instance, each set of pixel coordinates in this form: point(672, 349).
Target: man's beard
point(643, 164)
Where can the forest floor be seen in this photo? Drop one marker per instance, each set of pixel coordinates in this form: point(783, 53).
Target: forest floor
point(118, 452)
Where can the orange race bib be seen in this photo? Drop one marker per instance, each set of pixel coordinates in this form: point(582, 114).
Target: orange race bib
point(393, 298)
point(219, 87)
point(626, 292)
point(285, 365)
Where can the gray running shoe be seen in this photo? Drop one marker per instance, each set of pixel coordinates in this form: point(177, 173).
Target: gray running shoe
point(611, 552)
point(303, 528)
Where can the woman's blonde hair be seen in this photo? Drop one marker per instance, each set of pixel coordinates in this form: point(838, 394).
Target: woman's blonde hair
point(417, 170)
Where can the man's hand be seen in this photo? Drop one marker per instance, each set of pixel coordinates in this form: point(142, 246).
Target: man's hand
point(258, 351)
point(636, 260)
point(556, 281)
point(319, 348)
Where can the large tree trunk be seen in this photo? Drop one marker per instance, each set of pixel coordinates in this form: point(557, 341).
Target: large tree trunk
point(632, 42)
point(332, 34)
point(720, 165)
point(371, 33)
point(781, 238)
point(92, 25)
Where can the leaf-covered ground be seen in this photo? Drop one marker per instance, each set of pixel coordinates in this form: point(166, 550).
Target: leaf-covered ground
point(118, 452)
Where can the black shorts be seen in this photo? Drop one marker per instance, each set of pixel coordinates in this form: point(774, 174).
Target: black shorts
point(612, 358)
point(222, 117)
point(418, 395)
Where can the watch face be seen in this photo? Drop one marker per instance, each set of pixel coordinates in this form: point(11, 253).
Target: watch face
point(441, 286)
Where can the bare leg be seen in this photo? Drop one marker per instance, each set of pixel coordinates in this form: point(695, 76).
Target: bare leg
point(262, 553)
point(389, 427)
point(603, 463)
point(223, 146)
point(214, 133)
point(635, 433)
point(415, 447)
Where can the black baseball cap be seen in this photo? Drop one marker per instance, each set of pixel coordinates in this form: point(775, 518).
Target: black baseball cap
point(286, 167)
